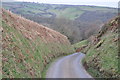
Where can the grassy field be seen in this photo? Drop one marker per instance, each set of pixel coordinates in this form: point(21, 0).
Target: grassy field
point(69, 13)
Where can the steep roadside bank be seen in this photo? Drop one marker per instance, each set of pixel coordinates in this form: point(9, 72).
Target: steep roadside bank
point(28, 47)
point(102, 58)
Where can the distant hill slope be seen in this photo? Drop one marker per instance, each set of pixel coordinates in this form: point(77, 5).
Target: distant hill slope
point(51, 10)
point(102, 52)
point(77, 22)
point(28, 47)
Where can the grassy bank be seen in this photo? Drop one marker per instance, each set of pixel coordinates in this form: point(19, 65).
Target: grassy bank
point(81, 46)
point(102, 58)
point(25, 53)
point(102, 53)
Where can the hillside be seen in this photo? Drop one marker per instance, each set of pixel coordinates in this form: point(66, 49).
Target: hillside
point(28, 46)
point(77, 22)
point(51, 10)
point(102, 58)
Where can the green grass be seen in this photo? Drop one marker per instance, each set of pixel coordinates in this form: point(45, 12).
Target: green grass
point(26, 58)
point(95, 8)
point(107, 59)
point(81, 43)
point(102, 58)
point(69, 13)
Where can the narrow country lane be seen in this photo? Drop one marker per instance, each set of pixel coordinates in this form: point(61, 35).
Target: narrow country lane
point(68, 67)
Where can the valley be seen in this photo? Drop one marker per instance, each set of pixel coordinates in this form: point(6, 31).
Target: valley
point(77, 22)
point(59, 41)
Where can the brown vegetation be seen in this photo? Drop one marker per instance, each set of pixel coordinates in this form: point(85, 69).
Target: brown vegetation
point(28, 46)
point(102, 58)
